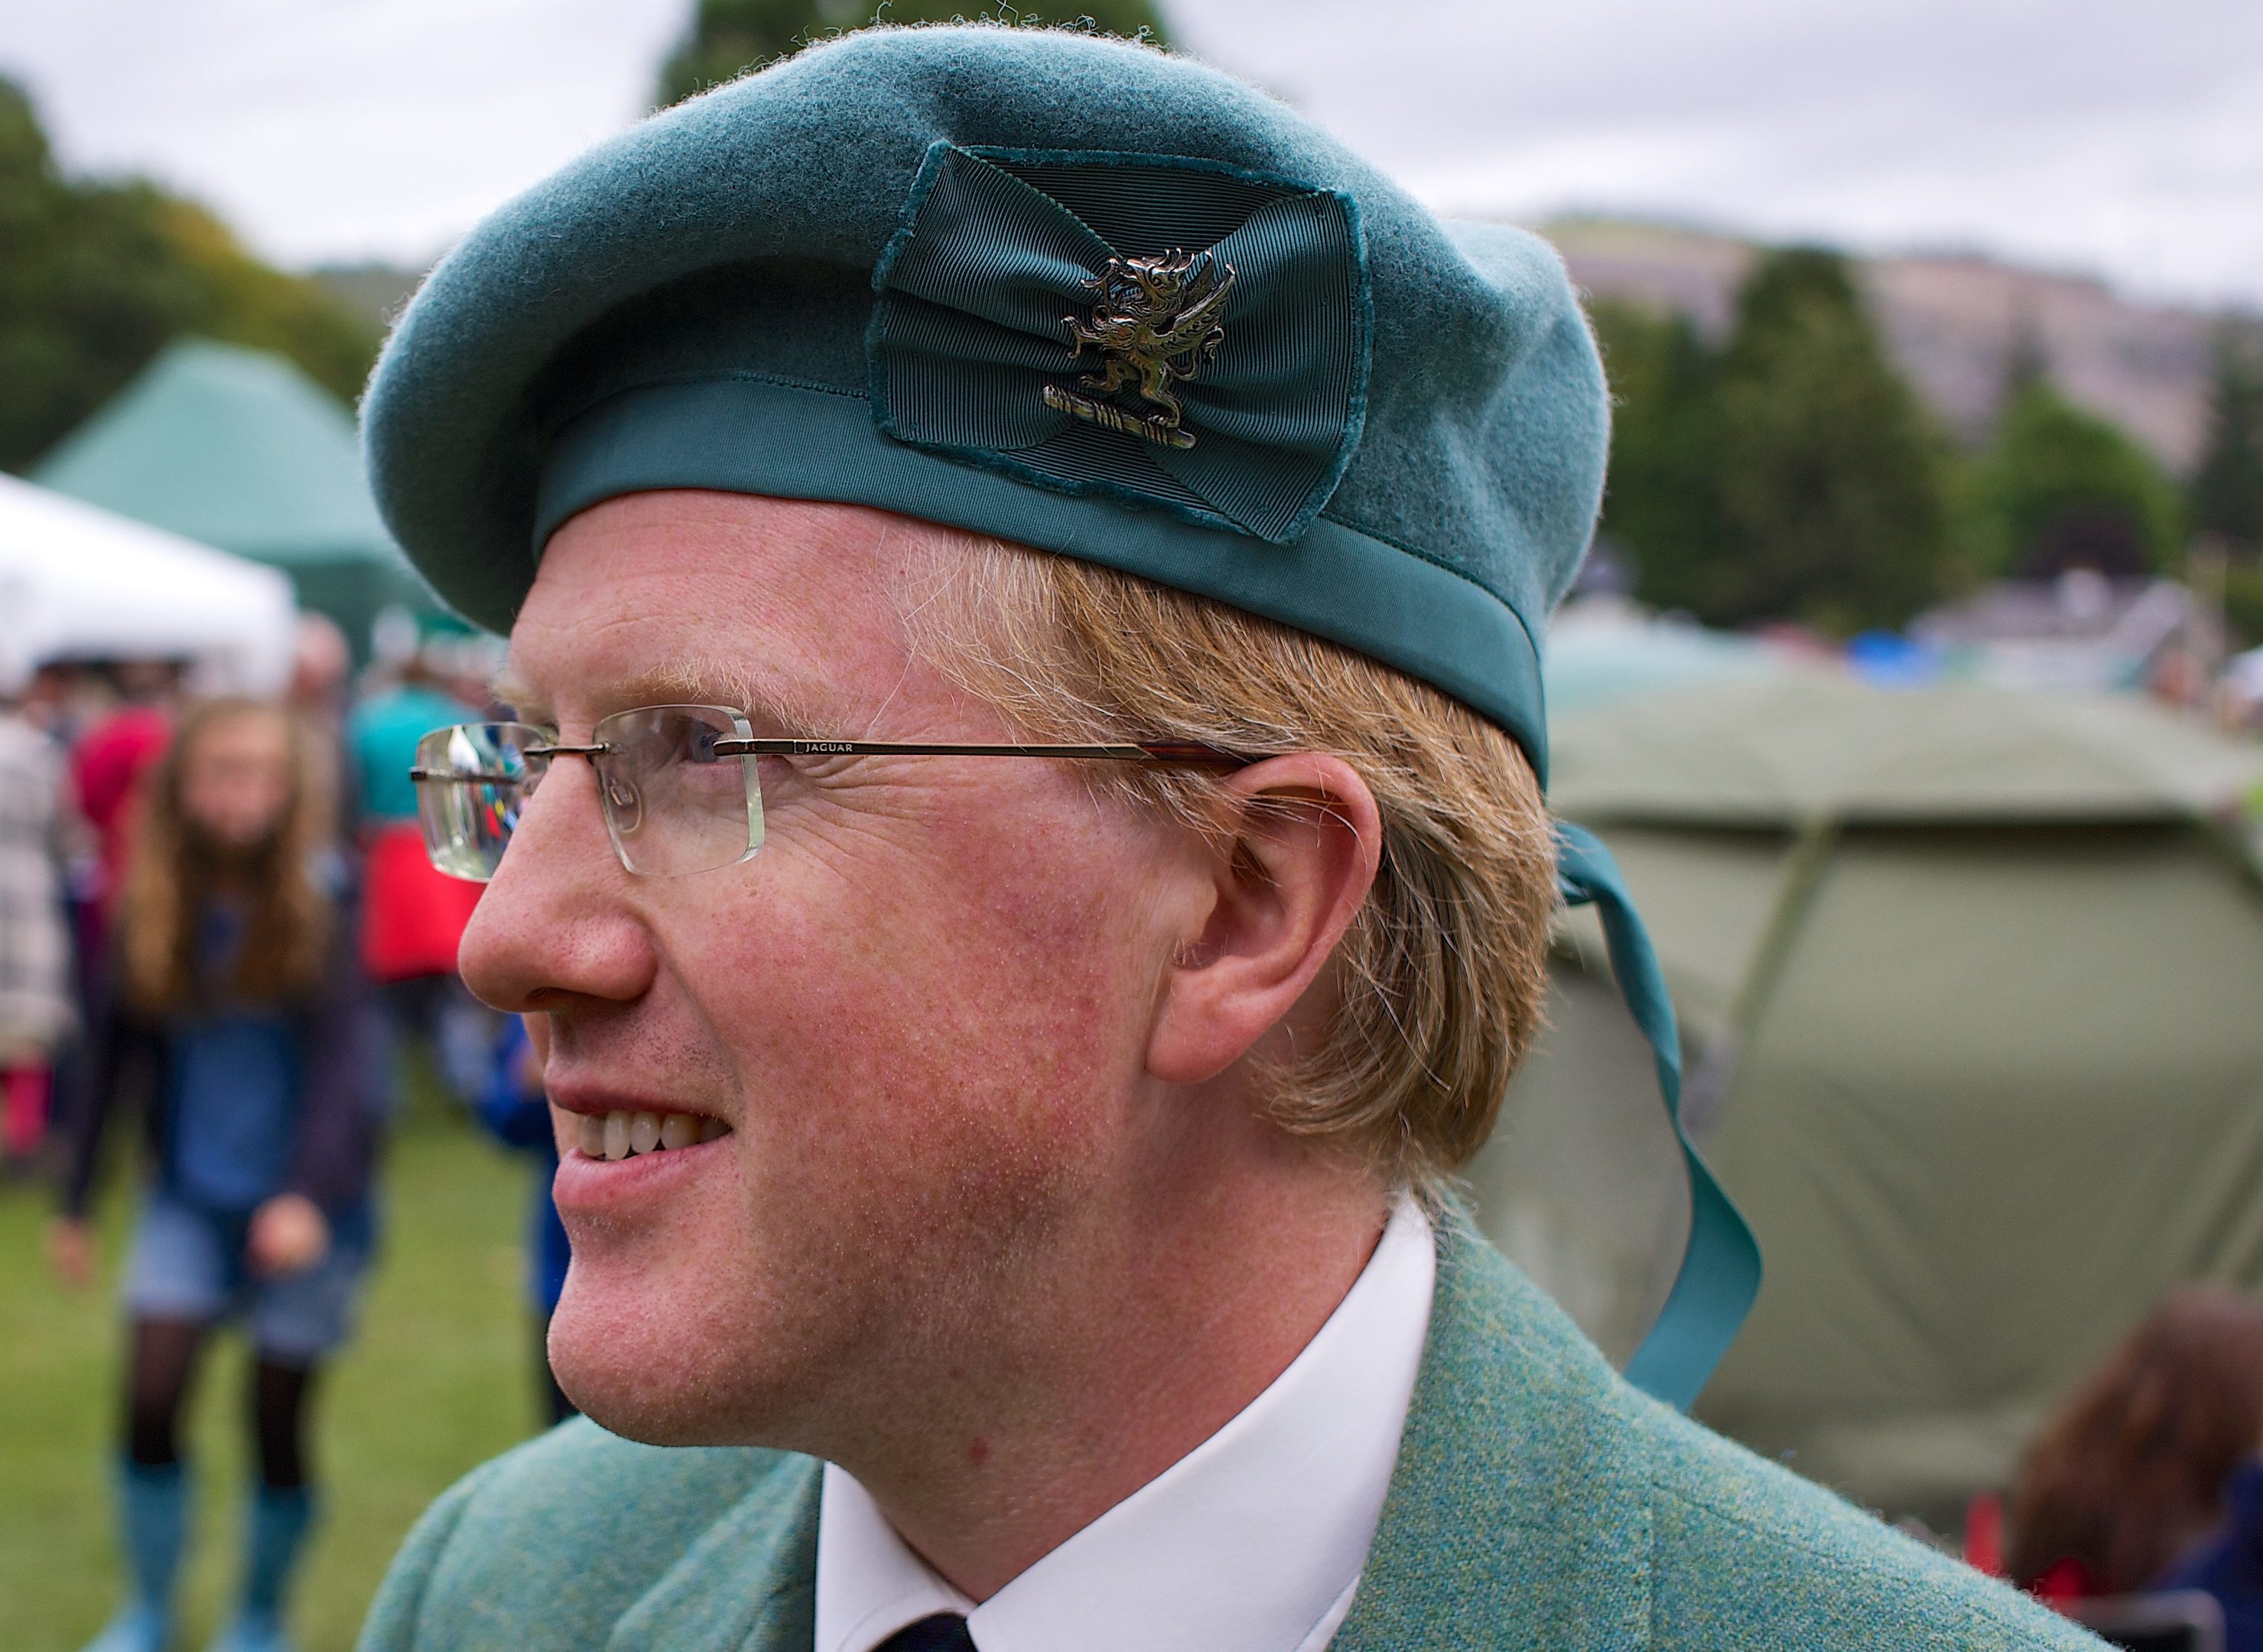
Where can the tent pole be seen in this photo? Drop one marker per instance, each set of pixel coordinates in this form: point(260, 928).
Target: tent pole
point(1803, 873)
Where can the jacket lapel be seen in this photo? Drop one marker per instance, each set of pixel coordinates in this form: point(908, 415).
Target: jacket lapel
point(749, 1583)
point(1516, 1518)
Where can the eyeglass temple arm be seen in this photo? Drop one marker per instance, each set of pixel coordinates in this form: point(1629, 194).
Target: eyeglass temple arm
point(480, 776)
point(1148, 752)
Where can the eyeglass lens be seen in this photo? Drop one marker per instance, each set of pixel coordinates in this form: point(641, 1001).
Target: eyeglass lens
point(671, 803)
point(472, 781)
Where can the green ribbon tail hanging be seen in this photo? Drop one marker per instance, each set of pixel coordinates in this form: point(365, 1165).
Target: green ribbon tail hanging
point(1720, 1271)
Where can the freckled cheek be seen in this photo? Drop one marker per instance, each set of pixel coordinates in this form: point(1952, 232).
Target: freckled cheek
point(976, 1015)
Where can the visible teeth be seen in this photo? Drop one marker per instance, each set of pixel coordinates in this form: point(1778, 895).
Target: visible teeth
point(620, 1135)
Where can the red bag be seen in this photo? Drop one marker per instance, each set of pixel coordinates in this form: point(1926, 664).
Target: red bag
point(412, 917)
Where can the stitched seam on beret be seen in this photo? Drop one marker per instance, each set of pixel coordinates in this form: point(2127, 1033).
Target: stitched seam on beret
point(559, 420)
point(1131, 158)
point(1079, 488)
point(1420, 554)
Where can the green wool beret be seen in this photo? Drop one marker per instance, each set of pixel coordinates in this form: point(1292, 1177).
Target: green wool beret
point(1076, 293)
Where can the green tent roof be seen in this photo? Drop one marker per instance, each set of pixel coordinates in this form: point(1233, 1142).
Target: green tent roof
point(1600, 649)
point(1809, 746)
point(234, 448)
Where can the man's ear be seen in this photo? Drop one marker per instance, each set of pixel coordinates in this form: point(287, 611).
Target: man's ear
point(1297, 855)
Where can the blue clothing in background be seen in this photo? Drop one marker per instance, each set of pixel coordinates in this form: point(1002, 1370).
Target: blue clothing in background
point(233, 1088)
point(2229, 1565)
point(383, 733)
point(517, 1115)
point(189, 1263)
point(334, 1114)
point(235, 1101)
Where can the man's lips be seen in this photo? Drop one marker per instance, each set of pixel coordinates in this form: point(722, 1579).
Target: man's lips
point(627, 1151)
point(587, 1188)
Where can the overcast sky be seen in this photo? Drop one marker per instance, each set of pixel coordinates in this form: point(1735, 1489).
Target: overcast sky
point(2110, 136)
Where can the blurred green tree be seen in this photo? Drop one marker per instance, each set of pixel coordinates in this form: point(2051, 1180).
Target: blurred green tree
point(2243, 603)
point(1833, 477)
point(729, 36)
point(2060, 487)
point(96, 277)
point(1662, 504)
point(2226, 497)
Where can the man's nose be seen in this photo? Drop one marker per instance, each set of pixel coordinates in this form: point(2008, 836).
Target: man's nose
point(556, 922)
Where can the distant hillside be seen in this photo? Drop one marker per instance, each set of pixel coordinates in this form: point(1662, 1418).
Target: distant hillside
point(1951, 320)
point(377, 290)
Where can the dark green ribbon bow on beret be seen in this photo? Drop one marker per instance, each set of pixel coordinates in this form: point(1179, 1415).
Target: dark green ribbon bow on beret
point(1168, 331)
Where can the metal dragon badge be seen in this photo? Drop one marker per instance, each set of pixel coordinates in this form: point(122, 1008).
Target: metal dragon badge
point(1155, 324)
point(1215, 320)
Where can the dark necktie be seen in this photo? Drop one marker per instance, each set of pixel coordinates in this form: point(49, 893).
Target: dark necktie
point(945, 1632)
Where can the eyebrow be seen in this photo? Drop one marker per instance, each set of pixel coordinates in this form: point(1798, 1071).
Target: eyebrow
point(713, 682)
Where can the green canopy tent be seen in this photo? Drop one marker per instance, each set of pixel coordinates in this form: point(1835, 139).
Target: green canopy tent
point(239, 449)
point(1972, 991)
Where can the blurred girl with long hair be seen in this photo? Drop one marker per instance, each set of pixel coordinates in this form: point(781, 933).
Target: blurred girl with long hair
point(234, 1018)
point(2132, 1471)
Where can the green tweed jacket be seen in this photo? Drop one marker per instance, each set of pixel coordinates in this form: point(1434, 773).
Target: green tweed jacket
point(1539, 1502)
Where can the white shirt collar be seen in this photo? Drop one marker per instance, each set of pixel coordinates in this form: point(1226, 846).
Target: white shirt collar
point(1252, 1542)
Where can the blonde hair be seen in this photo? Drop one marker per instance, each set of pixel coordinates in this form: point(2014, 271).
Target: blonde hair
point(172, 874)
point(1442, 975)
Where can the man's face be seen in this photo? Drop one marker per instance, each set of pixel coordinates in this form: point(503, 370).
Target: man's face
point(921, 1009)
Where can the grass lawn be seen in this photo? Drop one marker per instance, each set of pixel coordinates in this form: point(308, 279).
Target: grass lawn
point(437, 1379)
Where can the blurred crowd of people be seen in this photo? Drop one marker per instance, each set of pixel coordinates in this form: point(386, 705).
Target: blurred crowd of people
point(216, 914)
point(81, 747)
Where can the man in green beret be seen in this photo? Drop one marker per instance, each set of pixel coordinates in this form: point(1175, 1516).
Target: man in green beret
point(1024, 852)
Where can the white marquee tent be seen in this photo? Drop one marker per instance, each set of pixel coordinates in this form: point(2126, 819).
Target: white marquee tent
point(77, 582)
